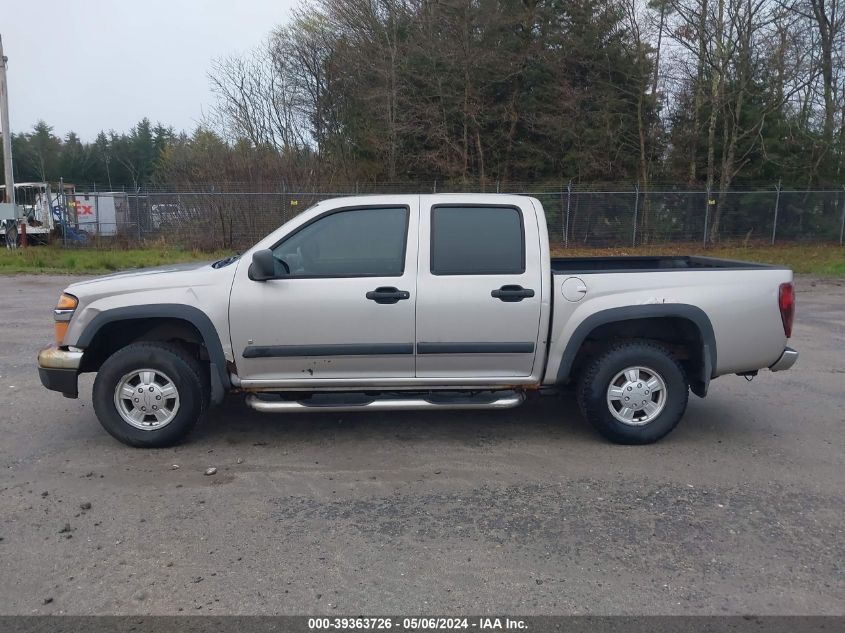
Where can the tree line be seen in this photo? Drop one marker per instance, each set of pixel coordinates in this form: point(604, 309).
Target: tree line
point(713, 94)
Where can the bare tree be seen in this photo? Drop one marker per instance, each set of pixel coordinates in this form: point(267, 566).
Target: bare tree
point(375, 60)
point(300, 52)
point(254, 102)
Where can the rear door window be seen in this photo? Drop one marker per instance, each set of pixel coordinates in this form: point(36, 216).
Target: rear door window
point(477, 240)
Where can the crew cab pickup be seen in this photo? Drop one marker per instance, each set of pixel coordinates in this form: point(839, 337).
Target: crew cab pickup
point(416, 302)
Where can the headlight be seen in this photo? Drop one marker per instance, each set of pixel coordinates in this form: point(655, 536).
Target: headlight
point(62, 314)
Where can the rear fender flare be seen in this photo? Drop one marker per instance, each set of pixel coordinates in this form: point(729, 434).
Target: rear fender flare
point(691, 313)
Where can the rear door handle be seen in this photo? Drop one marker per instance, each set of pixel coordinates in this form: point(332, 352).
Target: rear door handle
point(512, 294)
point(388, 294)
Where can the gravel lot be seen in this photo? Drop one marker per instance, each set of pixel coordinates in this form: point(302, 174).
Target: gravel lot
point(526, 511)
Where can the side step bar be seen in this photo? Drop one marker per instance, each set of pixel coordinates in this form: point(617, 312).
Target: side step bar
point(266, 403)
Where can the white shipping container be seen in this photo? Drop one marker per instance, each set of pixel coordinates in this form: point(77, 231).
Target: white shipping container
point(95, 213)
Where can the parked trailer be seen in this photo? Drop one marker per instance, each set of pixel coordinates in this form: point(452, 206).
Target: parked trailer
point(39, 208)
point(69, 216)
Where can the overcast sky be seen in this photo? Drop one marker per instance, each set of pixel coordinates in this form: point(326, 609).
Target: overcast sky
point(91, 65)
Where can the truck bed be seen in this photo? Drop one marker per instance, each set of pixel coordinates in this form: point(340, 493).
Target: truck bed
point(648, 263)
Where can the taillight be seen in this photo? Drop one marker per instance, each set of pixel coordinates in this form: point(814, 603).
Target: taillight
point(786, 303)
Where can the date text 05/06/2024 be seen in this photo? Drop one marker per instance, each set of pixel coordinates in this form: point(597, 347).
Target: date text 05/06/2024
point(417, 623)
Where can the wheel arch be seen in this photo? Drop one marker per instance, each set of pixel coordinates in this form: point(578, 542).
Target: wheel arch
point(191, 322)
point(676, 323)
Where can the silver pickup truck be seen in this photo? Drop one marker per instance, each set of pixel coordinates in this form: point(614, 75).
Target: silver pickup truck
point(416, 302)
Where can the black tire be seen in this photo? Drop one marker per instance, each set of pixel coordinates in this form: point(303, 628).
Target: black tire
point(601, 370)
point(186, 373)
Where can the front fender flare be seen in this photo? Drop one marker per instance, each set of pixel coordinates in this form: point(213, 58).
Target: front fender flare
point(196, 317)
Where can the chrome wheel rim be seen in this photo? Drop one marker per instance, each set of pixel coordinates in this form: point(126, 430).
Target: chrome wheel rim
point(146, 399)
point(636, 395)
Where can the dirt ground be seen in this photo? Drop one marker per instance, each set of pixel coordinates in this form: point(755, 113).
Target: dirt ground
point(527, 511)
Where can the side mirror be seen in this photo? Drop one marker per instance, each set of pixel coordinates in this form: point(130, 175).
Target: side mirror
point(263, 266)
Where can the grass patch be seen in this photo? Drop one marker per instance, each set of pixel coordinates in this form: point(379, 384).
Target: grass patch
point(54, 259)
point(816, 259)
point(823, 260)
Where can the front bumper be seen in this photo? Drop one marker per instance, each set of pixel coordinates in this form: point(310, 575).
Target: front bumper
point(786, 360)
point(58, 370)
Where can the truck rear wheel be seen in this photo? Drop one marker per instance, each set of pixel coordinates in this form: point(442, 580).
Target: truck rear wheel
point(634, 393)
point(149, 394)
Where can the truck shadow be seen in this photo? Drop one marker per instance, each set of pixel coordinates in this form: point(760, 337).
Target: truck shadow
point(552, 415)
point(553, 418)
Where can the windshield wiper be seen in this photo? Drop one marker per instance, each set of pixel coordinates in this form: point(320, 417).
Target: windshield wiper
point(225, 261)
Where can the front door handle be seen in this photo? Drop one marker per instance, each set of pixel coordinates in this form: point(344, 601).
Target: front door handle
point(387, 294)
point(511, 294)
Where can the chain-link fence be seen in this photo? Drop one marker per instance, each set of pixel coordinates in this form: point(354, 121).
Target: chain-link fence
point(576, 216)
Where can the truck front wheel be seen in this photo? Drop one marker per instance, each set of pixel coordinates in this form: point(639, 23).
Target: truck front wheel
point(149, 394)
point(634, 393)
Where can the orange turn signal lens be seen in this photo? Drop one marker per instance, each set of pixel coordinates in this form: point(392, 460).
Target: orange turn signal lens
point(61, 330)
point(67, 302)
point(62, 314)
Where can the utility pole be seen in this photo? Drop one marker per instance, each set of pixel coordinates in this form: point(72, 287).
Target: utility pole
point(5, 128)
